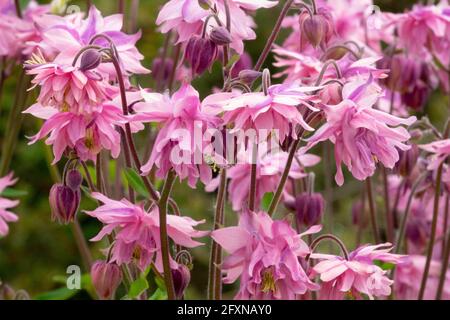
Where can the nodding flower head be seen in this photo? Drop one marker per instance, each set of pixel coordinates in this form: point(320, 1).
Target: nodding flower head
point(90, 60)
point(201, 54)
point(106, 278)
point(64, 203)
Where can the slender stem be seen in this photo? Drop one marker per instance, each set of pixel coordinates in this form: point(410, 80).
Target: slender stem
point(18, 9)
point(14, 123)
point(388, 211)
point(163, 204)
point(444, 270)
point(325, 68)
point(134, 14)
point(327, 150)
point(433, 232)
point(159, 76)
point(277, 197)
point(404, 223)
point(254, 169)
point(446, 217)
point(121, 6)
point(331, 237)
point(372, 210)
point(82, 244)
point(274, 35)
point(176, 59)
point(2, 78)
point(215, 269)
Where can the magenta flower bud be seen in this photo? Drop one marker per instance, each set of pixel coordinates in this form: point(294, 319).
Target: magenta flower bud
point(106, 278)
point(64, 203)
point(74, 179)
point(220, 36)
point(90, 59)
point(358, 214)
point(249, 76)
point(408, 160)
point(417, 98)
point(309, 209)
point(416, 233)
point(161, 71)
point(201, 54)
point(314, 29)
point(181, 280)
point(245, 62)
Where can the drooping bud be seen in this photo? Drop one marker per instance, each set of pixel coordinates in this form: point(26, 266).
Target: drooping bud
point(106, 278)
point(359, 217)
point(408, 160)
point(64, 203)
point(74, 179)
point(161, 71)
point(201, 54)
point(314, 29)
point(309, 209)
point(249, 76)
point(205, 4)
point(245, 62)
point(416, 233)
point(181, 279)
point(90, 59)
point(417, 98)
point(332, 94)
point(335, 53)
point(220, 36)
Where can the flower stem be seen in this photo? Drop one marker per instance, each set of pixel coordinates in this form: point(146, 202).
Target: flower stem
point(372, 210)
point(18, 9)
point(215, 269)
point(252, 194)
point(444, 269)
point(333, 238)
point(274, 35)
point(433, 233)
point(388, 211)
point(163, 204)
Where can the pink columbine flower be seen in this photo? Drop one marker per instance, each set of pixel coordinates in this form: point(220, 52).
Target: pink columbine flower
point(266, 255)
point(138, 234)
point(440, 150)
point(179, 144)
point(5, 204)
point(362, 134)
point(270, 167)
point(357, 275)
point(281, 109)
point(86, 135)
point(65, 37)
point(67, 88)
point(187, 17)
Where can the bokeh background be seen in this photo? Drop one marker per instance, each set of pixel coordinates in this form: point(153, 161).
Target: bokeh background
point(37, 252)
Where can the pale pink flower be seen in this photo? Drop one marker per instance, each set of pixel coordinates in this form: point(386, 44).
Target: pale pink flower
point(270, 167)
point(179, 144)
point(187, 18)
point(357, 275)
point(5, 204)
point(281, 109)
point(86, 135)
point(65, 37)
point(362, 134)
point(407, 286)
point(138, 234)
point(266, 255)
point(67, 88)
point(439, 150)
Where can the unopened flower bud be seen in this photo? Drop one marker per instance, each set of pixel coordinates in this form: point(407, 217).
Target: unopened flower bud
point(90, 59)
point(332, 94)
point(220, 36)
point(309, 209)
point(201, 54)
point(416, 233)
point(106, 278)
point(205, 4)
point(64, 203)
point(314, 29)
point(181, 279)
point(336, 53)
point(408, 160)
point(161, 70)
point(359, 214)
point(74, 179)
point(249, 76)
point(417, 98)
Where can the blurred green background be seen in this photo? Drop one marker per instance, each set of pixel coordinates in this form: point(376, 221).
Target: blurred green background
point(36, 250)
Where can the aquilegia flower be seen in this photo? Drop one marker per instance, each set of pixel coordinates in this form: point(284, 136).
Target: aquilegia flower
point(362, 134)
point(281, 109)
point(138, 234)
point(357, 275)
point(266, 255)
point(177, 146)
point(440, 150)
point(6, 204)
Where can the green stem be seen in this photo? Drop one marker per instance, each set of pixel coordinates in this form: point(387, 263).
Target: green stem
point(163, 206)
point(387, 205)
point(372, 210)
point(433, 233)
point(215, 269)
point(444, 270)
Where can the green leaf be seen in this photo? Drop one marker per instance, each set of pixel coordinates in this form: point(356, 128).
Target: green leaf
point(384, 265)
point(136, 182)
point(160, 283)
point(138, 287)
point(58, 294)
point(266, 201)
point(11, 193)
point(159, 295)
